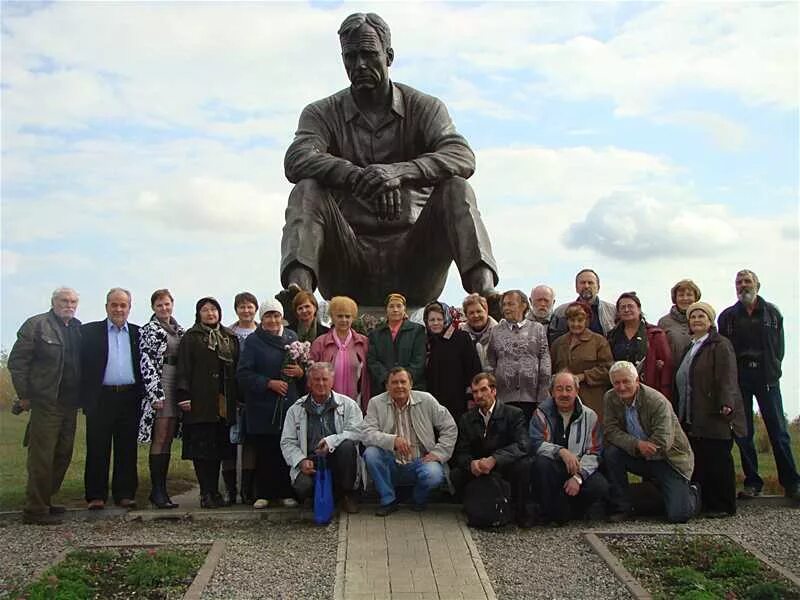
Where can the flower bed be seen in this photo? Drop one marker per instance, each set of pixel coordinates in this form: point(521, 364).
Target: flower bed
point(153, 573)
point(698, 567)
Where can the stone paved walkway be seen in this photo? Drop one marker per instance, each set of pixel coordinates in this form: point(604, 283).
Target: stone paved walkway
point(409, 556)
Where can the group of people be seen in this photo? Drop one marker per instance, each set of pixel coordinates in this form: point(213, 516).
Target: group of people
point(560, 403)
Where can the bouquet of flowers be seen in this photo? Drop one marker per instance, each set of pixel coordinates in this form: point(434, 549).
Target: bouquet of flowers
point(298, 353)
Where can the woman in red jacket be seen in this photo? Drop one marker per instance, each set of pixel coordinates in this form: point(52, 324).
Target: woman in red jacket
point(645, 345)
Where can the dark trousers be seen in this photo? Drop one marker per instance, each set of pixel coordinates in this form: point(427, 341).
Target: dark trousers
point(770, 405)
point(680, 500)
point(113, 422)
point(549, 476)
point(517, 474)
point(342, 464)
point(272, 473)
point(50, 438)
point(326, 234)
point(713, 470)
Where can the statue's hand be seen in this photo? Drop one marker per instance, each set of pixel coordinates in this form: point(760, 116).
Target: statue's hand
point(387, 205)
point(379, 179)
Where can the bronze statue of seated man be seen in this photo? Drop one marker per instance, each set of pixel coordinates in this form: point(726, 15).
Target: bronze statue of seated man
point(381, 203)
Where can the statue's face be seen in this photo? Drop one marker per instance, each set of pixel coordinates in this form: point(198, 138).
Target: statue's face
point(365, 59)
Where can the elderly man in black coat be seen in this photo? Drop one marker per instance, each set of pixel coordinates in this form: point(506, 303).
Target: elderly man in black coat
point(493, 437)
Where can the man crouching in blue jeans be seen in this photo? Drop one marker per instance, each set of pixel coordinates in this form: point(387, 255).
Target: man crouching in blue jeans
point(409, 438)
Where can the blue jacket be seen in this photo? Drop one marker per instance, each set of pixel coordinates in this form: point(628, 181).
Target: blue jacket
point(262, 360)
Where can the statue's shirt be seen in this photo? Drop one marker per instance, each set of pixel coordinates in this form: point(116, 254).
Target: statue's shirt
point(334, 138)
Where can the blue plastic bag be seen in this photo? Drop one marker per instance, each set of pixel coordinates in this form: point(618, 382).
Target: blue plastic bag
point(323, 493)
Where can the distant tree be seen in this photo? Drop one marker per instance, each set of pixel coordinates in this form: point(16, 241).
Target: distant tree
point(7, 392)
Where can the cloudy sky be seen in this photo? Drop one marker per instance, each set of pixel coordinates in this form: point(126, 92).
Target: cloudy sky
point(142, 143)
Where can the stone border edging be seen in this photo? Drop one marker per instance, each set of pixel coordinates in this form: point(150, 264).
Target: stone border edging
point(633, 585)
point(616, 566)
point(341, 556)
point(206, 571)
point(477, 561)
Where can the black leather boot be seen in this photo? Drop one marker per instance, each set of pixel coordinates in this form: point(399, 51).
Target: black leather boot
point(201, 469)
point(159, 463)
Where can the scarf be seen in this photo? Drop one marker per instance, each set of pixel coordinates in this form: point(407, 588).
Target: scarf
point(173, 328)
point(342, 367)
point(309, 334)
point(218, 342)
point(679, 316)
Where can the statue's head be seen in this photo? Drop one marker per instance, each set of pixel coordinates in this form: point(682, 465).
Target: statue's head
point(366, 50)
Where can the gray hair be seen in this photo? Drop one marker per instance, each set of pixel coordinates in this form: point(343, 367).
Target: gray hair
point(354, 22)
point(114, 290)
point(60, 291)
point(564, 372)
point(753, 275)
point(624, 365)
point(316, 366)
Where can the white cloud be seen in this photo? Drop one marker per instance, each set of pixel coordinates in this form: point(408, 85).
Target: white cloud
point(635, 227)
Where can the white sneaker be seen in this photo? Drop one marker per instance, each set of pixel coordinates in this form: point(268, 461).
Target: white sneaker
point(260, 503)
point(289, 502)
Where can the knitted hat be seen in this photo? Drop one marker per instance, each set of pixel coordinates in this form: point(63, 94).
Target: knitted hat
point(201, 303)
point(705, 307)
point(395, 297)
point(270, 305)
point(684, 283)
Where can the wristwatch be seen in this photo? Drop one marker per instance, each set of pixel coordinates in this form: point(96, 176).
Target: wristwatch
point(578, 478)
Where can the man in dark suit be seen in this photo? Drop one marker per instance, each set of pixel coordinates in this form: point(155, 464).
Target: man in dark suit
point(111, 392)
point(493, 438)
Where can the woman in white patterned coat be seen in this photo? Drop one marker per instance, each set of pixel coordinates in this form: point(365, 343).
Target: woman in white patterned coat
point(159, 340)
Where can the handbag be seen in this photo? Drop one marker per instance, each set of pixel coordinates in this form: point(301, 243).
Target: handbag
point(486, 501)
point(323, 492)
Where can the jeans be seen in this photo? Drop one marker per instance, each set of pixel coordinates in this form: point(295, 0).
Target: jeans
point(386, 473)
point(770, 405)
point(680, 500)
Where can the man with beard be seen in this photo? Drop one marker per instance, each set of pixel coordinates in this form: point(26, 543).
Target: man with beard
point(755, 327)
point(543, 298)
point(587, 286)
point(381, 201)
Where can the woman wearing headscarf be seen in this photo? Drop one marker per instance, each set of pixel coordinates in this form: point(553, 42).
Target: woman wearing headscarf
point(709, 408)
point(346, 350)
point(586, 354)
point(207, 394)
point(158, 344)
point(675, 323)
point(635, 340)
point(396, 342)
point(452, 360)
point(269, 380)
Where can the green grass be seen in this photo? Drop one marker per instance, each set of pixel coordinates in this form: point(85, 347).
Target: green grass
point(13, 473)
point(698, 567)
point(118, 573)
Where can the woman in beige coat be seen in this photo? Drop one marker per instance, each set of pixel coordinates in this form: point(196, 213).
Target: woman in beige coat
point(585, 354)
